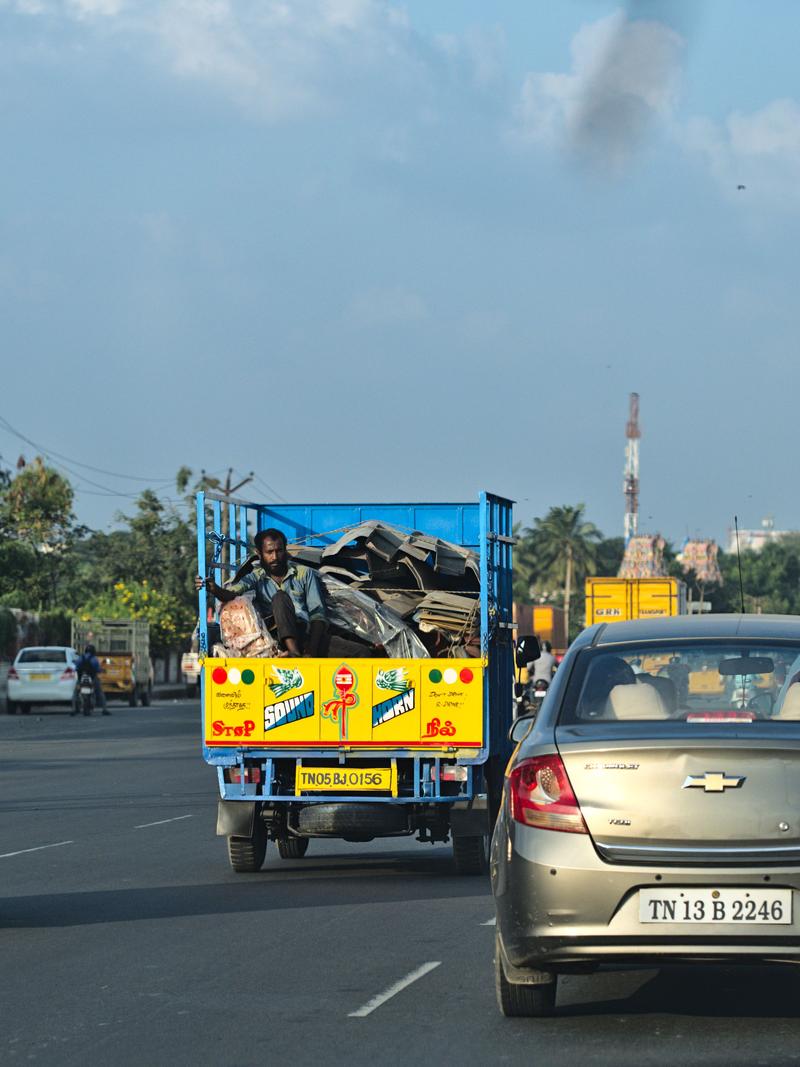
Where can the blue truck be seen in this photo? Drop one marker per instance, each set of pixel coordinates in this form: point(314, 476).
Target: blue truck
point(358, 748)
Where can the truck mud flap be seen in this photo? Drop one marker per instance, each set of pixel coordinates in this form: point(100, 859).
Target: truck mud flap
point(235, 818)
point(470, 818)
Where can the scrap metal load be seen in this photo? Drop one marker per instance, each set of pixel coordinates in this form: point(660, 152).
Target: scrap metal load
point(388, 592)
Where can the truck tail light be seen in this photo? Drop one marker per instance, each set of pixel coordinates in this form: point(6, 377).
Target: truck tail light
point(252, 775)
point(450, 772)
point(13, 674)
point(68, 675)
point(542, 796)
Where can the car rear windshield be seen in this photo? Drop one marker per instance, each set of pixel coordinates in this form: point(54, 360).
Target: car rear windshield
point(42, 655)
point(719, 682)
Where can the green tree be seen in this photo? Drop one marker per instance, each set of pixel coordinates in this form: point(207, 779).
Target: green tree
point(171, 619)
point(567, 544)
point(608, 556)
point(37, 530)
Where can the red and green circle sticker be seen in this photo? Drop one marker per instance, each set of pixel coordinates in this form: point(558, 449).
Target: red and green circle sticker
point(435, 676)
point(248, 677)
point(220, 675)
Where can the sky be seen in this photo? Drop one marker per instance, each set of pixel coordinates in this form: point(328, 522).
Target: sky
point(378, 251)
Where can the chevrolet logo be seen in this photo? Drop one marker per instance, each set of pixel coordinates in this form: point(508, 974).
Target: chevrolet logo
point(712, 782)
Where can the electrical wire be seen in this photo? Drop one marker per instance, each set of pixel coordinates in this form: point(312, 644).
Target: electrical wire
point(87, 466)
point(270, 489)
point(67, 463)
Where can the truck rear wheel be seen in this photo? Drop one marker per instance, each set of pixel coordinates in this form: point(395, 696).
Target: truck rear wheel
point(292, 848)
point(132, 698)
point(11, 707)
point(246, 854)
point(146, 695)
point(471, 854)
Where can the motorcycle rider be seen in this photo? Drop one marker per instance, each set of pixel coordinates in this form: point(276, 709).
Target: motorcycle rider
point(89, 664)
point(543, 668)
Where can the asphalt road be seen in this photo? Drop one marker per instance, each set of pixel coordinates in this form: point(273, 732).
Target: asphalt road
point(127, 940)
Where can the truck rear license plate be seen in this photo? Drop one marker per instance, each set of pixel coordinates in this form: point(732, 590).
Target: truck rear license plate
point(734, 907)
point(346, 780)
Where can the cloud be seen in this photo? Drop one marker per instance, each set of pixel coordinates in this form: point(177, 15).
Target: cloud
point(624, 73)
point(394, 306)
point(278, 59)
point(760, 150)
point(87, 9)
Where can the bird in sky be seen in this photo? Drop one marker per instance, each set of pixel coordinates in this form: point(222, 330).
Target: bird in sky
point(741, 187)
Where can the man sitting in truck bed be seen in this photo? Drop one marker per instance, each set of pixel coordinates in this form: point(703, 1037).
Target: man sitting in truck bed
point(287, 594)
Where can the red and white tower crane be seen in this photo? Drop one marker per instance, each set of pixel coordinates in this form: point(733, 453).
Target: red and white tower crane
point(633, 433)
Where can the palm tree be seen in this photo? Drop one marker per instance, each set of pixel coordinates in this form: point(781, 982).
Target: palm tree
point(567, 544)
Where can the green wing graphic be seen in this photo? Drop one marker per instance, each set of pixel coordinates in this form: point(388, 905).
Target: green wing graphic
point(394, 680)
point(289, 678)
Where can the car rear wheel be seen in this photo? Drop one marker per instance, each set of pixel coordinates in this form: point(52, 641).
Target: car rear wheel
point(514, 1000)
point(471, 854)
point(246, 854)
point(11, 707)
point(24, 709)
point(292, 848)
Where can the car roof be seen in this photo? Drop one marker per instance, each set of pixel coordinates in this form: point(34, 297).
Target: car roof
point(46, 648)
point(702, 627)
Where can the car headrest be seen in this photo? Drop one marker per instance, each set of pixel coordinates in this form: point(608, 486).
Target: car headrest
point(635, 702)
point(790, 708)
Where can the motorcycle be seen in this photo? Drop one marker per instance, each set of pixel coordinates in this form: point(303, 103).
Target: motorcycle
point(539, 692)
point(86, 694)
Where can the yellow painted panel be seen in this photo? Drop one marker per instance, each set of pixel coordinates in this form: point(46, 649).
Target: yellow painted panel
point(395, 702)
point(452, 708)
point(359, 703)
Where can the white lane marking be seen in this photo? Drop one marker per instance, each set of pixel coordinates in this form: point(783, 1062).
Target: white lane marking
point(22, 851)
point(491, 922)
point(393, 990)
point(161, 822)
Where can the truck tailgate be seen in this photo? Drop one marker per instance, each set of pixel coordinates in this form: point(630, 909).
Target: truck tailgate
point(360, 704)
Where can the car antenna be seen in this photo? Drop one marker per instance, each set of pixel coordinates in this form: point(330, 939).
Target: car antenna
point(739, 560)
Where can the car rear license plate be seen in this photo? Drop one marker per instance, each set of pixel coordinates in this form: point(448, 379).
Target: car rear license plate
point(735, 907)
point(40, 677)
point(346, 780)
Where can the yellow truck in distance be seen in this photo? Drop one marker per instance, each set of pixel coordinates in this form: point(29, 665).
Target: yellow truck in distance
point(621, 599)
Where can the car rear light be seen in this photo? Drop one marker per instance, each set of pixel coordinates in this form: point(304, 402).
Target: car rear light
point(12, 674)
point(542, 796)
point(68, 675)
point(252, 775)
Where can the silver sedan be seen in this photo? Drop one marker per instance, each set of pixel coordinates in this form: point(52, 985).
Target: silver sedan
point(651, 809)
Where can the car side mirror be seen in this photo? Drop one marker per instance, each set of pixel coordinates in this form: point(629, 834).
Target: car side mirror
point(521, 727)
point(528, 649)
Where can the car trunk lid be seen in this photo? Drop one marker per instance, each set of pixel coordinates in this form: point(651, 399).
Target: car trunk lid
point(680, 794)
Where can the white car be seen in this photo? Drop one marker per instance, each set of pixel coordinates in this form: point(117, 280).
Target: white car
point(190, 669)
point(41, 675)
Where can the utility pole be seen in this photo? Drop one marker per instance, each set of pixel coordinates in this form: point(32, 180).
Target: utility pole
point(229, 489)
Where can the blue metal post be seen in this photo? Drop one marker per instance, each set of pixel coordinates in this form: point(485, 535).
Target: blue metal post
point(201, 570)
